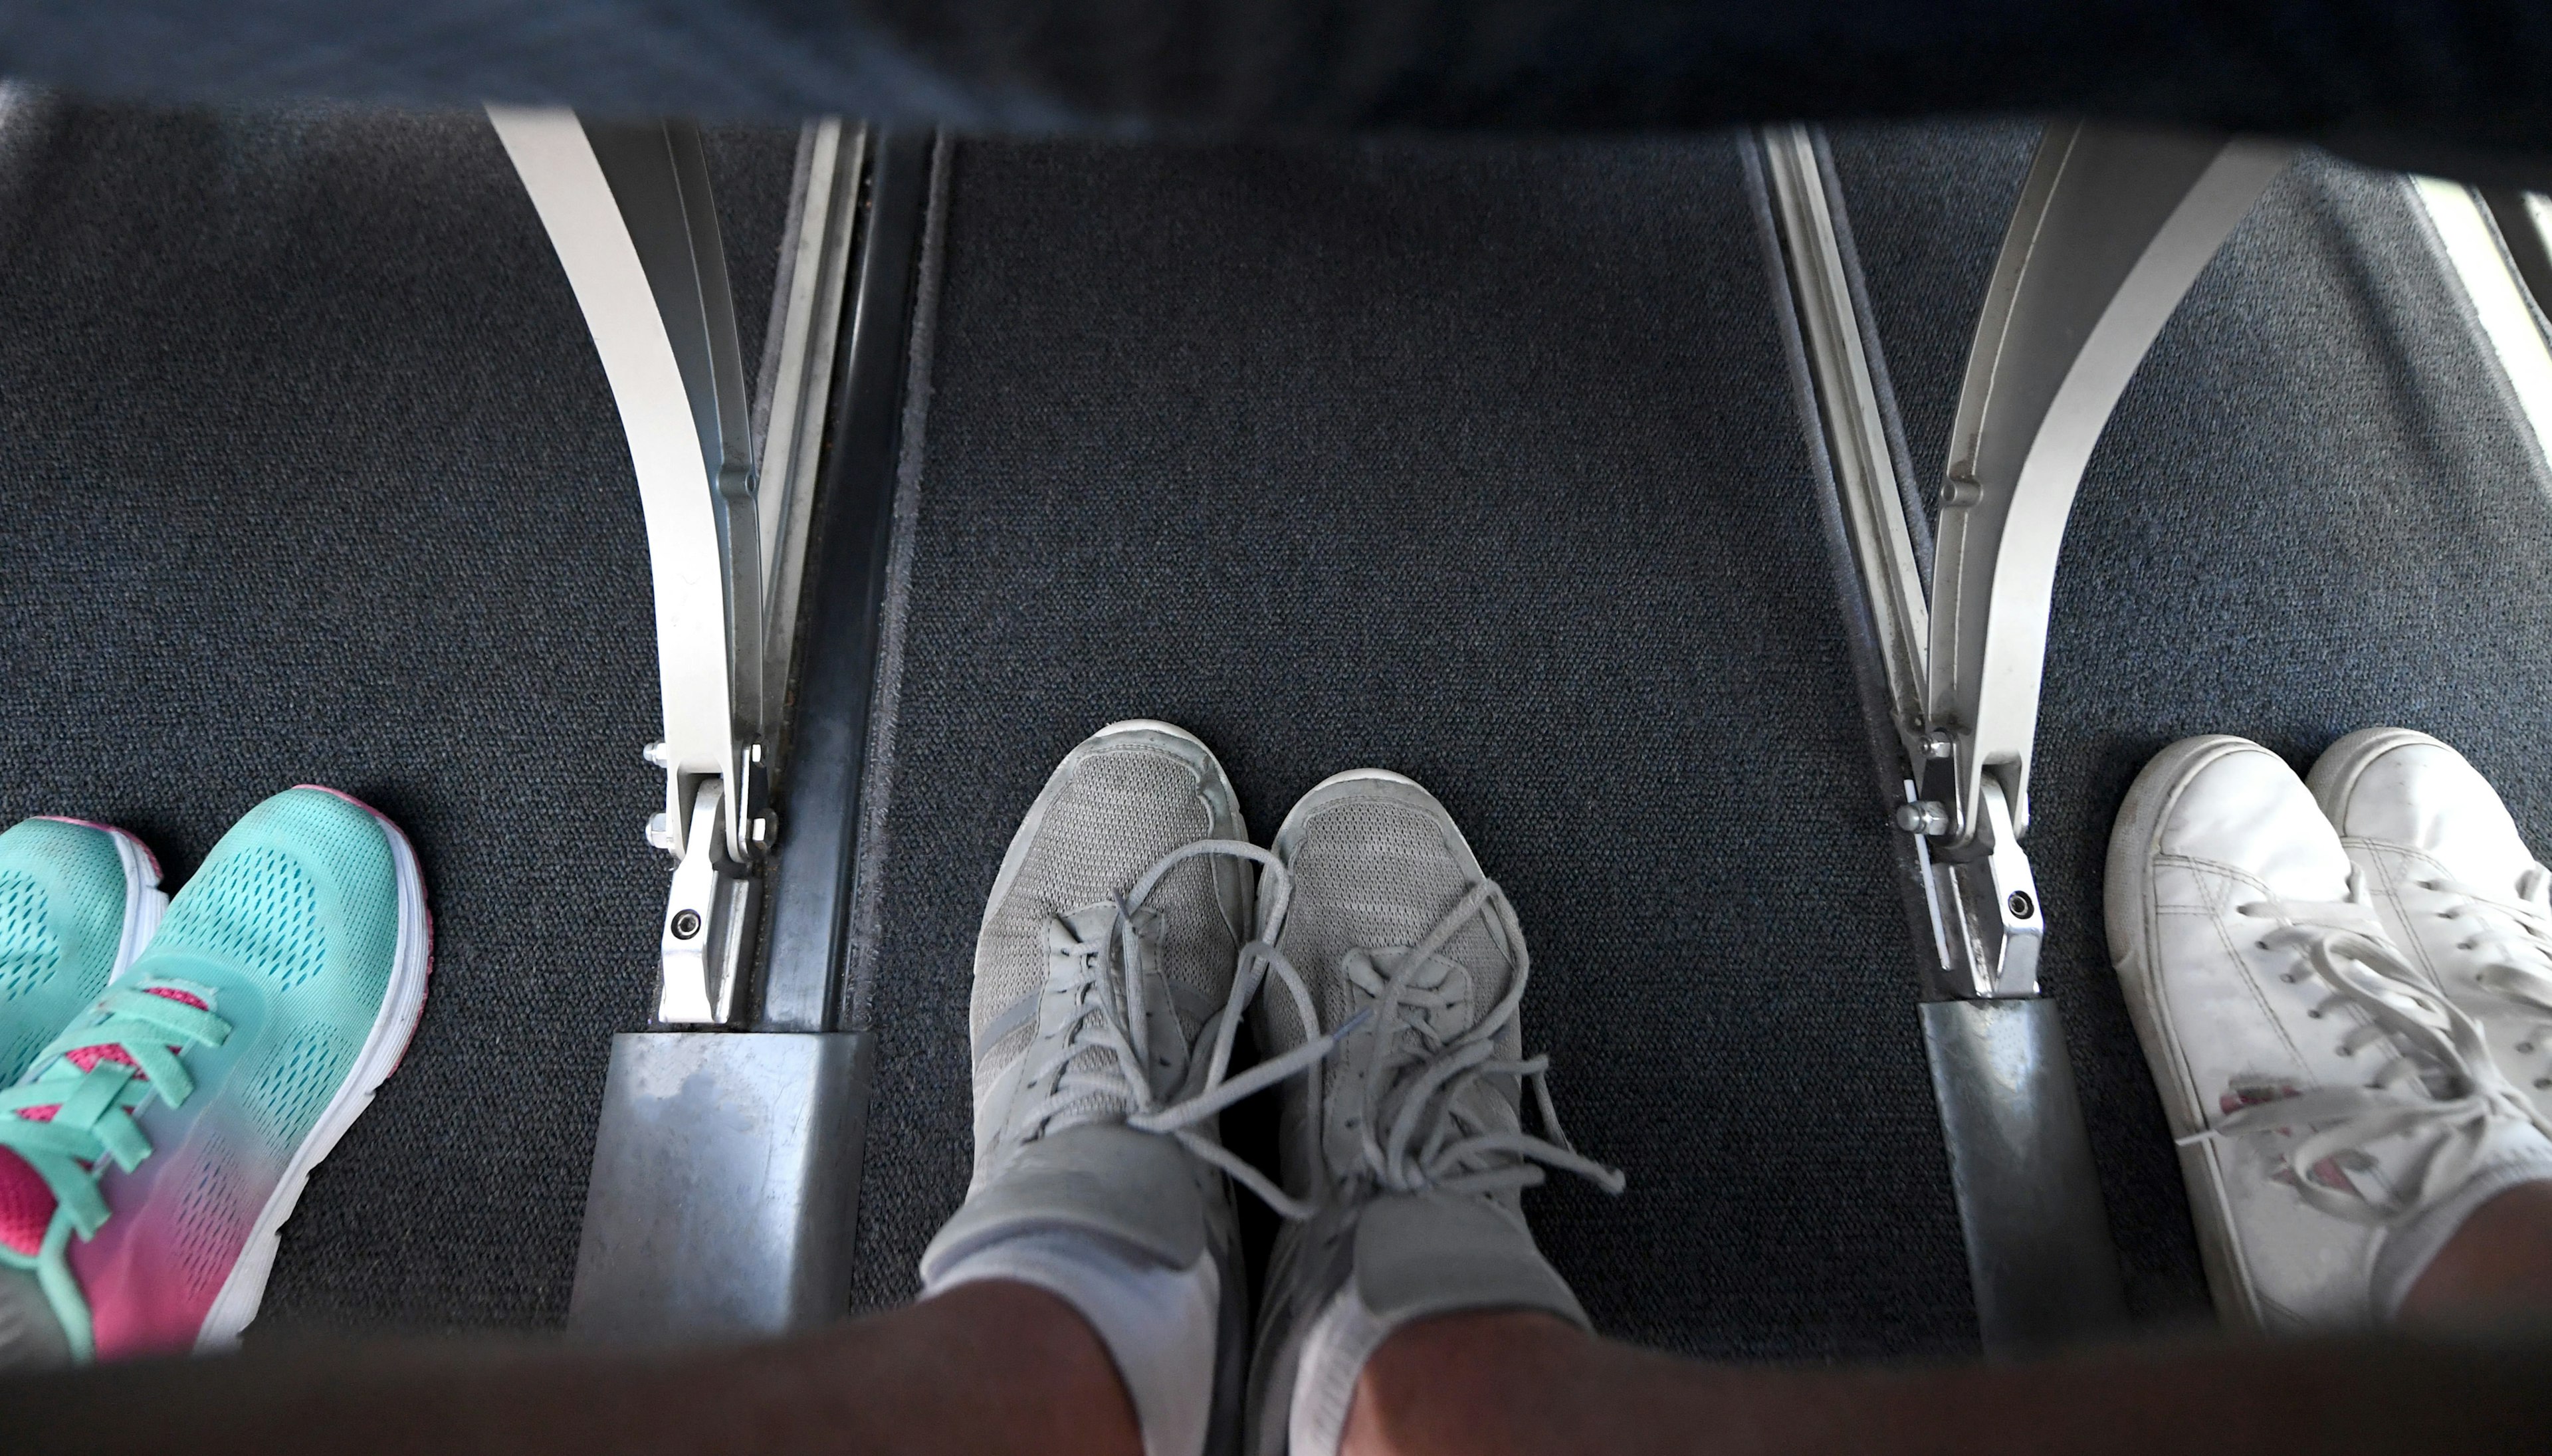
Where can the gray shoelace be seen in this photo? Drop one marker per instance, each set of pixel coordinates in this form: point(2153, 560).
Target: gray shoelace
point(1415, 1129)
point(1110, 1016)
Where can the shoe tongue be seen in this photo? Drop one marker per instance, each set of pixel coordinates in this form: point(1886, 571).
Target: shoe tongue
point(1074, 937)
point(26, 1204)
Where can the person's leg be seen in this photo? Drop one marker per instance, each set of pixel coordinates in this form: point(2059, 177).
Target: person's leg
point(1415, 1315)
point(1411, 1144)
point(1109, 985)
point(990, 1366)
point(1075, 1302)
point(1000, 1367)
point(1511, 1381)
point(2354, 1153)
point(2498, 1266)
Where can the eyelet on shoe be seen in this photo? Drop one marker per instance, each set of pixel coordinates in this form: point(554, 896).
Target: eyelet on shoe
point(2289, 977)
point(2543, 1082)
point(2344, 1051)
point(2525, 1047)
point(2316, 1016)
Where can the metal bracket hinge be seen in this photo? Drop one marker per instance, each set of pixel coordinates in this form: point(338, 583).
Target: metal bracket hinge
point(711, 918)
point(1987, 924)
point(712, 910)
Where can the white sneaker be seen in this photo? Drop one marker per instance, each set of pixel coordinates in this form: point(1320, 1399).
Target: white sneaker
point(2456, 887)
point(2337, 1118)
point(1408, 1148)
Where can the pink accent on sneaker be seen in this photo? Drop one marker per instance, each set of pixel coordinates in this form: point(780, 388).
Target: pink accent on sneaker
point(85, 1058)
point(26, 1204)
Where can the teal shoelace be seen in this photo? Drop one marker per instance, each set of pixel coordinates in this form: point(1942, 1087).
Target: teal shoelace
point(72, 1118)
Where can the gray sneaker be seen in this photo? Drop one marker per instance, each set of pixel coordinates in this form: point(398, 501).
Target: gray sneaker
point(1409, 1146)
point(1104, 1017)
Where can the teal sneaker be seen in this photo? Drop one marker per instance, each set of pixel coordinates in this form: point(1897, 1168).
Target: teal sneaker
point(150, 1157)
point(77, 903)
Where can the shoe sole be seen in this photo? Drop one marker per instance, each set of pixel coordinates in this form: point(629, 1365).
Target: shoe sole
point(2334, 776)
point(2129, 914)
point(402, 1004)
point(145, 902)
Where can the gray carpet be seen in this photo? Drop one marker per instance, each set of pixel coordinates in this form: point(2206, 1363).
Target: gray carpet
point(1483, 465)
point(314, 477)
point(2315, 510)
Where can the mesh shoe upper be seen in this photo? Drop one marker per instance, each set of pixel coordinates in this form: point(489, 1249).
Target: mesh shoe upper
point(1391, 917)
point(1113, 808)
point(64, 897)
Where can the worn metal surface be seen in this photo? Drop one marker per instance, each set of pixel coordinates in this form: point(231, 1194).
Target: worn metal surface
point(722, 1181)
point(2038, 1239)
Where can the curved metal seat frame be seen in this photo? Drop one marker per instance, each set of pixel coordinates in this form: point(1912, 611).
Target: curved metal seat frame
point(2112, 229)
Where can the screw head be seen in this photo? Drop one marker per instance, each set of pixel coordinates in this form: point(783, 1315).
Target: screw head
point(2022, 906)
point(686, 923)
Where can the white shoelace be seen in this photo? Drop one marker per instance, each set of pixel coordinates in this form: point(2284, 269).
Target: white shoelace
point(2440, 1080)
point(1414, 1131)
point(1111, 1015)
point(2519, 931)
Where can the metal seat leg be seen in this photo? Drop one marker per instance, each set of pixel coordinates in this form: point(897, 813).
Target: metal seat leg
point(726, 1160)
point(2111, 230)
point(627, 207)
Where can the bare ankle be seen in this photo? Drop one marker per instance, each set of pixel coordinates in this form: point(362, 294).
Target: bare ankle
point(1062, 1392)
point(1448, 1384)
point(2498, 1266)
